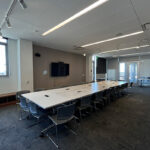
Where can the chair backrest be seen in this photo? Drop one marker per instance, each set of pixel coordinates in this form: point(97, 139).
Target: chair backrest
point(99, 95)
point(131, 84)
point(107, 92)
point(126, 85)
point(33, 108)
point(65, 112)
point(85, 100)
point(117, 88)
point(22, 100)
point(112, 90)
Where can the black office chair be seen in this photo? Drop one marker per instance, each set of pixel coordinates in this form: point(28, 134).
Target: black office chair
point(131, 84)
point(22, 103)
point(117, 91)
point(64, 115)
point(124, 89)
point(85, 105)
point(98, 101)
point(106, 96)
point(112, 94)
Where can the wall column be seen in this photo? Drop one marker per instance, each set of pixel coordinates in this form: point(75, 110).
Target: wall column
point(89, 69)
point(25, 65)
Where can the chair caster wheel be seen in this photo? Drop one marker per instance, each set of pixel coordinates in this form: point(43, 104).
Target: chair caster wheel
point(42, 135)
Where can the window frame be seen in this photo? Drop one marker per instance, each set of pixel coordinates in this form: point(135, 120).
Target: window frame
point(7, 62)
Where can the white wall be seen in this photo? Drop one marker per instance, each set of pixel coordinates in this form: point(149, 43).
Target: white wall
point(20, 60)
point(112, 69)
point(10, 83)
point(25, 65)
point(145, 68)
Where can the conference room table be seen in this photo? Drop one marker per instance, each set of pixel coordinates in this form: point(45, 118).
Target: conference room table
point(53, 97)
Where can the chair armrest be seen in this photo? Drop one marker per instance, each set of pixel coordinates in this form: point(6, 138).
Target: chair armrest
point(76, 117)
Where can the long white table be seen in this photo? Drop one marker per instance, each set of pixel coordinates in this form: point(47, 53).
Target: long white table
point(50, 98)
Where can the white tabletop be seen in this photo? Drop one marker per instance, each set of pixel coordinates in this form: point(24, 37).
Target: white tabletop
point(50, 98)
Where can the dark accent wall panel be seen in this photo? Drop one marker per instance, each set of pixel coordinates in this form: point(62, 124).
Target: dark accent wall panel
point(101, 65)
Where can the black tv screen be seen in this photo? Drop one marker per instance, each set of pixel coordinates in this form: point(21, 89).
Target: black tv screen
point(59, 69)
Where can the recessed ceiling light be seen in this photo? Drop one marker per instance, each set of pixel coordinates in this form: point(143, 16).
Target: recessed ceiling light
point(128, 48)
point(75, 16)
point(112, 39)
point(84, 54)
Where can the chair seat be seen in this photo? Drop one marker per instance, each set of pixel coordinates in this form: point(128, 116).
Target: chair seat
point(39, 114)
point(58, 122)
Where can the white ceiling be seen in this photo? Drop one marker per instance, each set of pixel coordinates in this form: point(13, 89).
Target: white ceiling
point(113, 17)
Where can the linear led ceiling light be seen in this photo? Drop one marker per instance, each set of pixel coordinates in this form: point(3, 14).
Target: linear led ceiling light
point(123, 49)
point(75, 16)
point(112, 39)
point(133, 54)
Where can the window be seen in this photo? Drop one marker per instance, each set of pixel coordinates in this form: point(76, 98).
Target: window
point(3, 57)
point(122, 71)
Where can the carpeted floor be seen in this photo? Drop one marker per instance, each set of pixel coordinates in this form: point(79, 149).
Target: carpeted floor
point(123, 125)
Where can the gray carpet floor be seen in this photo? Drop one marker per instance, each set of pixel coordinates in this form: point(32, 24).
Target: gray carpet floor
point(123, 125)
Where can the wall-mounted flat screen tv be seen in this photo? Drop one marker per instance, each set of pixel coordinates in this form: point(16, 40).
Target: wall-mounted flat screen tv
point(59, 69)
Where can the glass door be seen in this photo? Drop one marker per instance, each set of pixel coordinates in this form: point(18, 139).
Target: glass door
point(133, 72)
